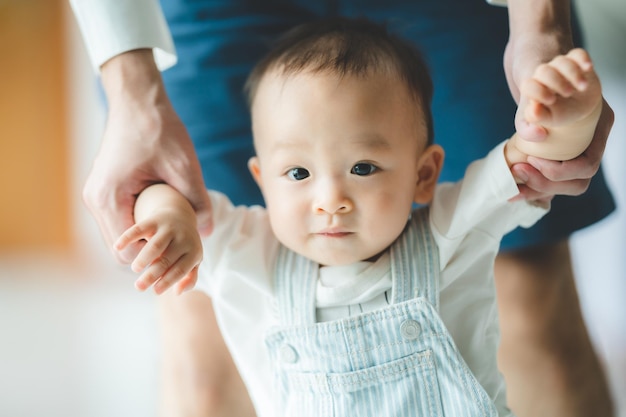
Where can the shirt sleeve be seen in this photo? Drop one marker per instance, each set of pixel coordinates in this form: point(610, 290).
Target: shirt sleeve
point(502, 3)
point(478, 205)
point(239, 254)
point(112, 27)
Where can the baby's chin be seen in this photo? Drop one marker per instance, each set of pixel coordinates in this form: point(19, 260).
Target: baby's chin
point(337, 259)
point(339, 251)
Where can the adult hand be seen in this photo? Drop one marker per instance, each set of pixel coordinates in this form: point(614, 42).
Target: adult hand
point(544, 178)
point(539, 31)
point(144, 142)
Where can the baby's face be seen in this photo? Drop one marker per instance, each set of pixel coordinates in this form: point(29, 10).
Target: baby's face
point(337, 162)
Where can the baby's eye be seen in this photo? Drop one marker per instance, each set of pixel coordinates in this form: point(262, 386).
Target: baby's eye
point(298, 174)
point(363, 169)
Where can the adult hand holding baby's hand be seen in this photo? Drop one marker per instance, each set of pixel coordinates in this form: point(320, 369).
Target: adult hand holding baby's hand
point(564, 129)
point(562, 102)
point(144, 142)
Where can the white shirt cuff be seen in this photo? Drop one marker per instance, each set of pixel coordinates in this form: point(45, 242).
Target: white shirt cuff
point(110, 28)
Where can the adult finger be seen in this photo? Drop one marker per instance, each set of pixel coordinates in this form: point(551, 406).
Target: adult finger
point(113, 214)
point(542, 186)
point(185, 265)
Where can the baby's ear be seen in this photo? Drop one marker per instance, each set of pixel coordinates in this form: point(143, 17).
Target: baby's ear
point(255, 169)
point(428, 170)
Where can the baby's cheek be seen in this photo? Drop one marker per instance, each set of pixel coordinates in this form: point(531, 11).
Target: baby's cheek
point(284, 227)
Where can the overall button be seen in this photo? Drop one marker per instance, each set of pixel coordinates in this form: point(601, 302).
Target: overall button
point(288, 354)
point(410, 329)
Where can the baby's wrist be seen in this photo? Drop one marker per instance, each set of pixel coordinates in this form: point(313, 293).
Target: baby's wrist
point(512, 153)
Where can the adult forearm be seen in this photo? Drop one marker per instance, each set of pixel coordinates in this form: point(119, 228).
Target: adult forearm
point(133, 79)
point(539, 31)
point(538, 18)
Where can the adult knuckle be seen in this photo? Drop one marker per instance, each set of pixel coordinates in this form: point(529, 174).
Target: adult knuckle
point(95, 198)
point(90, 197)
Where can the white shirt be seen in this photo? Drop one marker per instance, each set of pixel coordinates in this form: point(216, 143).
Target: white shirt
point(468, 220)
point(111, 27)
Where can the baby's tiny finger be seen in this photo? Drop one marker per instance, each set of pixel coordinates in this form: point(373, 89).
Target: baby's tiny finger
point(581, 57)
point(142, 285)
point(188, 283)
point(156, 268)
point(147, 279)
point(154, 251)
point(537, 113)
point(571, 72)
point(179, 270)
point(534, 90)
point(130, 235)
point(550, 76)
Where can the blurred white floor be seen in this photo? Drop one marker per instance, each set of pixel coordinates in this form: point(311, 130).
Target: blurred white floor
point(75, 340)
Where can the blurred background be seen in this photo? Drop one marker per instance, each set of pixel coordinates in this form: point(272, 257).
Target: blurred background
point(76, 339)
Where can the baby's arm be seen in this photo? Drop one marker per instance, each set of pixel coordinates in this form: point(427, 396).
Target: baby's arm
point(172, 251)
point(565, 99)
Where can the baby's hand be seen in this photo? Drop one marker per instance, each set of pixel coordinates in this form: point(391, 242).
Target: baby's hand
point(171, 254)
point(563, 101)
point(562, 91)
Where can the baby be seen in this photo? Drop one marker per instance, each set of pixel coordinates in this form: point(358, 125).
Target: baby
point(340, 297)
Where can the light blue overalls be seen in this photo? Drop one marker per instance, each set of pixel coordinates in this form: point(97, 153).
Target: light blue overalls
point(396, 361)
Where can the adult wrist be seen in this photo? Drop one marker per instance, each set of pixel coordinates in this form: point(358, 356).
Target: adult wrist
point(133, 76)
point(530, 19)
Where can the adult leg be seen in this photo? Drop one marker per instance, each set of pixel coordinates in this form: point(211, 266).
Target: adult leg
point(198, 377)
point(546, 355)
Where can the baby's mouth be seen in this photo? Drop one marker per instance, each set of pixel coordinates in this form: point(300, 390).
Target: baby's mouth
point(334, 232)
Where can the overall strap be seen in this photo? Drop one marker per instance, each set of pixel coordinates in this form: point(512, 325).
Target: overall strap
point(415, 262)
point(295, 279)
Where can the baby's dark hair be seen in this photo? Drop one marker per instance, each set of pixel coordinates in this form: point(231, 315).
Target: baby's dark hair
point(348, 47)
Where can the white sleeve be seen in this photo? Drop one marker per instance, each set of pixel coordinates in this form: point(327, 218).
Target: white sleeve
point(479, 204)
point(502, 3)
point(111, 27)
point(239, 253)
